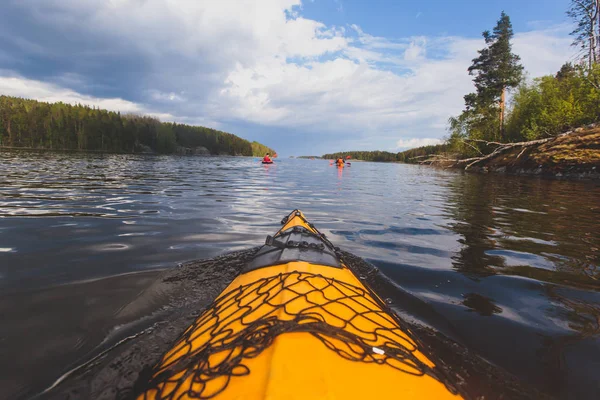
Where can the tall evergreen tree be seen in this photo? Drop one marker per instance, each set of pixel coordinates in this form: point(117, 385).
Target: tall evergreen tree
point(566, 71)
point(496, 69)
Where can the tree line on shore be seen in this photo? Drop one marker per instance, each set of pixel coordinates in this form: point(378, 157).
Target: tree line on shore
point(381, 156)
point(407, 156)
point(259, 150)
point(540, 108)
point(537, 109)
point(28, 123)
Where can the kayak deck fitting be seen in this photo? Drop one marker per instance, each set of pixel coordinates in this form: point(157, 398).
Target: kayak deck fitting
point(296, 324)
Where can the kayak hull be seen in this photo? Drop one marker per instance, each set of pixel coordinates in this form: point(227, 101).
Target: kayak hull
point(301, 329)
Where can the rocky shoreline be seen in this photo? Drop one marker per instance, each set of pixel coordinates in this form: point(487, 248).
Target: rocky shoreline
point(572, 155)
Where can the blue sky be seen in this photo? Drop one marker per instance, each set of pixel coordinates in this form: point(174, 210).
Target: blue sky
point(304, 77)
point(398, 18)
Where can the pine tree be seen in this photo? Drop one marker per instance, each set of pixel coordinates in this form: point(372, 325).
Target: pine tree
point(566, 71)
point(496, 70)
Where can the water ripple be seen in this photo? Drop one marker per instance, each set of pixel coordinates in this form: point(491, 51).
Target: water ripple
point(495, 257)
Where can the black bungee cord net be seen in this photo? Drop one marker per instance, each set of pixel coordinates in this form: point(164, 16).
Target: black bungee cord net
point(242, 323)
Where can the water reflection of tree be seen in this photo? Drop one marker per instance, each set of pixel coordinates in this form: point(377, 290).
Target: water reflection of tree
point(555, 220)
point(551, 229)
point(583, 317)
point(567, 278)
point(471, 207)
point(481, 304)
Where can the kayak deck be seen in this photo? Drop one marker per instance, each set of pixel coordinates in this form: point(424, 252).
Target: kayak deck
point(297, 324)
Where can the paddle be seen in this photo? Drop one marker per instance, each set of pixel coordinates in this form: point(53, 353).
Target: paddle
point(331, 162)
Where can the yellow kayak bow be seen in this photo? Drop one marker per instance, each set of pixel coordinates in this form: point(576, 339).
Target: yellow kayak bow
point(296, 324)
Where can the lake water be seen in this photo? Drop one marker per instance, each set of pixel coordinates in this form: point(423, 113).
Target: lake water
point(510, 265)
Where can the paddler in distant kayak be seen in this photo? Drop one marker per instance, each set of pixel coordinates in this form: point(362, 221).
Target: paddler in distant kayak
point(267, 158)
point(340, 162)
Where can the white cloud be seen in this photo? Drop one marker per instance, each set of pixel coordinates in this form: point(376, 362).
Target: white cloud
point(18, 86)
point(416, 50)
point(232, 30)
point(353, 93)
point(166, 97)
point(543, 52)
point(262, 62)
point(14, 85)
point(417, 142)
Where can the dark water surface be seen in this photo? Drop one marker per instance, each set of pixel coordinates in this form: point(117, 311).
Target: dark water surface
point(508, 266)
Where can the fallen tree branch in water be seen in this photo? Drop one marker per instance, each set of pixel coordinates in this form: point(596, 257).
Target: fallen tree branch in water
point(502, 147)
point(573, 154)
point(483, 141)
point(435, 158)
point(466, 141)
point(416, 157)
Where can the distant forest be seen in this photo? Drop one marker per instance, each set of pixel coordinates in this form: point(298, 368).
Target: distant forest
point(59, 126)
point(408, 156)
point(259, 150)
point(363, 155)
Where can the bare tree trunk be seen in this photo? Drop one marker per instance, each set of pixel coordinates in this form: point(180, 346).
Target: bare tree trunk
point(501, 149)
point(593, 38)
point(597, 23)
point(502, 106)
point(591, 52)
point(592, 14)
point(10, 134)
point(590, 11)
